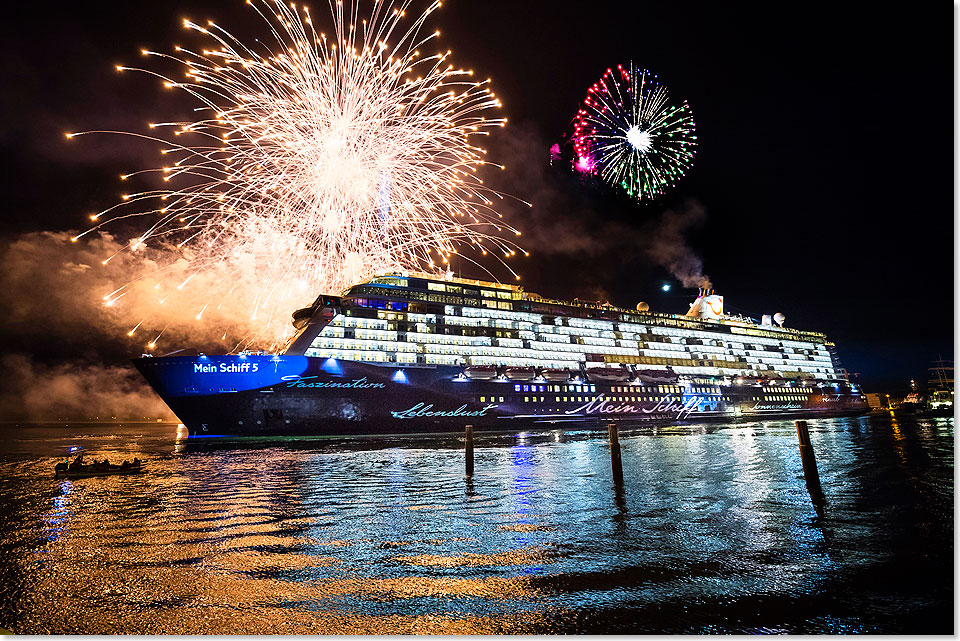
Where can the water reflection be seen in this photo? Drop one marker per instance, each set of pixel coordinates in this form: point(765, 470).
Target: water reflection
point(57, 519)
point(712, 531)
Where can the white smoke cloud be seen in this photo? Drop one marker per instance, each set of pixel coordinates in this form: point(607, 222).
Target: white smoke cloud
point(98, 287)
point(37, 392)
point(58, 328)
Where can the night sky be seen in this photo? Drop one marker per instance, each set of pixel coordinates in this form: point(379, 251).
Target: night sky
point(822, 184)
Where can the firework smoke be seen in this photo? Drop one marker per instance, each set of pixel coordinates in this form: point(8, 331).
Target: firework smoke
point(75, 391)
point(667, 244)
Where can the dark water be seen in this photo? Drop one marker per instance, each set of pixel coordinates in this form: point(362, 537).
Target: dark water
point(714, 532)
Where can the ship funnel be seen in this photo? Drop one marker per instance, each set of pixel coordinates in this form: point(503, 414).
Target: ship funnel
point(707, 305)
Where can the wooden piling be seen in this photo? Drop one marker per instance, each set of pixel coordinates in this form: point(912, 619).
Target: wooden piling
point(469, 450)
point(615, 461)
point(810, 473)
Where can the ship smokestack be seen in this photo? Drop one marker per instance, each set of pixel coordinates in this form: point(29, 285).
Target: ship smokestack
point(707, 305)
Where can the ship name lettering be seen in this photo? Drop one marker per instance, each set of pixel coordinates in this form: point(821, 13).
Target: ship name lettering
point(778, 406)
point(601, 405)
point(421, 410)
point(225, 368)
point(295, 380)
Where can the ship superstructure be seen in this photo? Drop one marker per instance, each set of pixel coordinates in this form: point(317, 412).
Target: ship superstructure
point(416, 320)
point(415, 351)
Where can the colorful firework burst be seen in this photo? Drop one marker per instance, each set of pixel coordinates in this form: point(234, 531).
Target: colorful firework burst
point(629, 133)
point(316, 162)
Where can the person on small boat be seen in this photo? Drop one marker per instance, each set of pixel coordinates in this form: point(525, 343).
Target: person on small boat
point(77, 462)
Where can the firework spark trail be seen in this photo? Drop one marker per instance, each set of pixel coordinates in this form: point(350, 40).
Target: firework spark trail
point(629, 133)
point(317, 162)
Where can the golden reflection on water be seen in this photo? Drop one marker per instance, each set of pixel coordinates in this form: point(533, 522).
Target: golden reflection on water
point(396, 542)
point(177, 551)
point(207, 585)
point(898, 437)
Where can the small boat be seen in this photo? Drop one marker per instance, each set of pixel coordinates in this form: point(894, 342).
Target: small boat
point(480, 372)
point(555, 375)
point(78, 469)
point(657, 376)
point(608, 374)
point(87, 471)
point(520, 373)
point(911, 404)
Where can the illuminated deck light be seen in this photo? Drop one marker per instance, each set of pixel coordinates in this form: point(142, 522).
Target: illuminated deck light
point(331, 366)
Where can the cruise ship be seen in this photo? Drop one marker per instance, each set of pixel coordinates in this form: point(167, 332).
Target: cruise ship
point(416, 353)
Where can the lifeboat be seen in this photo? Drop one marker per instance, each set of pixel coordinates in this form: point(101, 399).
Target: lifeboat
point(657, 376)
point(608, 374)
point(555, 375)
point(520, 373)
point(480, 372)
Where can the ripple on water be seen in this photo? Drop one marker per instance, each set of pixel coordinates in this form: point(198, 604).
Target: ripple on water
point(713, 532)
